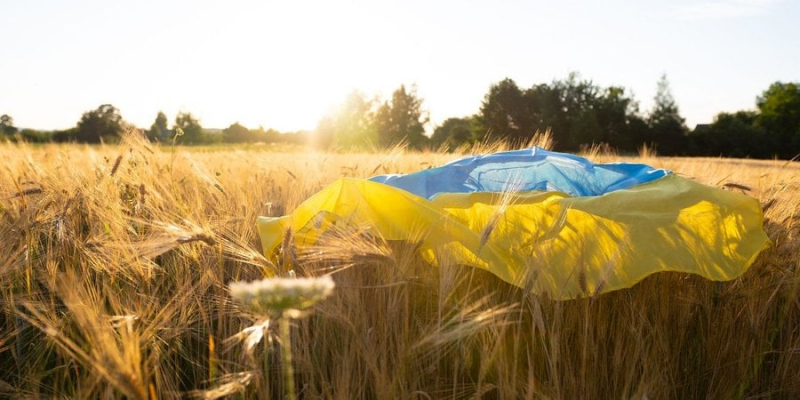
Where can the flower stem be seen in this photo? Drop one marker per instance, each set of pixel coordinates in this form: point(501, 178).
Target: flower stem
point(286, 351)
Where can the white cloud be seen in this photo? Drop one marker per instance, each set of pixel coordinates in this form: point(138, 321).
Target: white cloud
point(724, 9)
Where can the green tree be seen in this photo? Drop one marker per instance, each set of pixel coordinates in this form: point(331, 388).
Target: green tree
point(192, 130)
point(577, 112)
point(103, 124)
point(237, 133)
point(401, 119)
point(266, 136)
point(544, 102)
point(731, 135)
point(159, 130)
point(453, 132)
point(585, 130)
point(503, 113)
point(779, 116)
point(618, 116)
point(36, 136)
point(667, 127)
point(578, 118)
point(7, 125)
point(351, 125)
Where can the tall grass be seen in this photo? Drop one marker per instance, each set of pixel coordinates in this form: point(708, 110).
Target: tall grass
point(116, 259)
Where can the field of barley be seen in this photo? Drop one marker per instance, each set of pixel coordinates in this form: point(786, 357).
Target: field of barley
point(115, 263)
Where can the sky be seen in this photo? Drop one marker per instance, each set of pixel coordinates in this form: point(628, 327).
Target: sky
point(285, 64)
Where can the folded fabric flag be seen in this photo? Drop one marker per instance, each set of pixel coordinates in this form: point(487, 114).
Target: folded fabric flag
point(606, 228)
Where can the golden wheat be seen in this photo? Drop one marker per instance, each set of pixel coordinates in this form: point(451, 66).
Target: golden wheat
point(116, 262)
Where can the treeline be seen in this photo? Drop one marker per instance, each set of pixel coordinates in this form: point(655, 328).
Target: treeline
point(105, 124)
point(576, 111)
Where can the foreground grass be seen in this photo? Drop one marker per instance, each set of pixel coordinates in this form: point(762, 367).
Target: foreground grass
point(115, 264)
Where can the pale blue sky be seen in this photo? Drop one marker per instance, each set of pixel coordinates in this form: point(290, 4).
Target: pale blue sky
point(286, 64)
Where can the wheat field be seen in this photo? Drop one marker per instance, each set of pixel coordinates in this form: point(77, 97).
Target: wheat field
point(116, 262)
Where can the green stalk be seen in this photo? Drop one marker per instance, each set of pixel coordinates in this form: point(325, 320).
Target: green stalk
point(286, 352)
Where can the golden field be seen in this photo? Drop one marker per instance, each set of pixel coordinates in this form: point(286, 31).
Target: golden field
point(116, 262)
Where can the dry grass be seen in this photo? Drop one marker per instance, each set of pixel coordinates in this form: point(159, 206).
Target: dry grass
point(115, 262)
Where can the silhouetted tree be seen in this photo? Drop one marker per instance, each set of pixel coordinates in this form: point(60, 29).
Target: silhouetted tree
point(351, 125)
point(36, 136)
point(667, 127)
point(576, 111)
point(7, 125)
point(159, 130)
point(503, 113)
point(105, 123)
point(402, 119)
point(192, 130)
point(584, 128)
point(454, 132)
point(237, 133)
point(618, 116)
point(779, 116)
point(268, 136)
point(579, 119)
point(543, 103)
point(731, 135)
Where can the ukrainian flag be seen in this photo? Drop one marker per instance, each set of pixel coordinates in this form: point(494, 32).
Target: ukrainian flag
point(552, 223)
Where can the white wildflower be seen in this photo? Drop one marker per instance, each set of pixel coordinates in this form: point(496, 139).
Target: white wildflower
point(277, 295)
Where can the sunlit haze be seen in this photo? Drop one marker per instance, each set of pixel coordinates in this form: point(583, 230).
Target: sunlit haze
point(285, 64)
